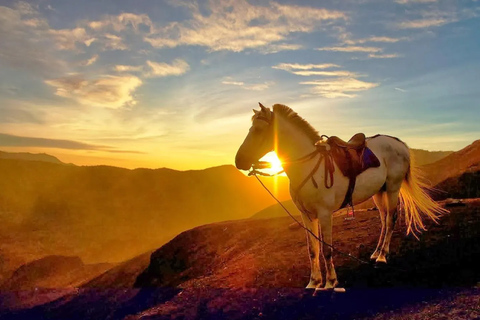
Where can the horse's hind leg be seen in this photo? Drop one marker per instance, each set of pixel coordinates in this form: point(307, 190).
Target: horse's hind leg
point(379, 200)
point(313, 250)
point(392, 201)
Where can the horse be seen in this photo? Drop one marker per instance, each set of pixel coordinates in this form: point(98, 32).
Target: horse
point(394, 183)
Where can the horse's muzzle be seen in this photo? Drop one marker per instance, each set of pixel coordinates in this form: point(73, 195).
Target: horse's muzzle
point(242, 163)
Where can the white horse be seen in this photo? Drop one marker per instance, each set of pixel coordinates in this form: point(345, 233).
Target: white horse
point(291, 137)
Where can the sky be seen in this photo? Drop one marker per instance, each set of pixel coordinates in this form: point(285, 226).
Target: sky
point(173, 83)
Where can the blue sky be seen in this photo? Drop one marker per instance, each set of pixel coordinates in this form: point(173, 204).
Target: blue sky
point(172, 83)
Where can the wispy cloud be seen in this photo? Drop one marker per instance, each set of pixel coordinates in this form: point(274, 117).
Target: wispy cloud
point(297, 66)
point(351, 49)
point(106, 91)
point(400, 89)
point(385, 56)
point(274, 48)
point(339, 88)
point(67, 39)
point(90, 61)
point(126, 68)
point(239, 25)
point(121, 22)
point(414, 1)
point(24, 45)
point(307, 70)
point(423, 23)
point(249, 86)
point(341, 83)
point(162, 69)
point(8, 140)
point(337, 73)
point(374, 39)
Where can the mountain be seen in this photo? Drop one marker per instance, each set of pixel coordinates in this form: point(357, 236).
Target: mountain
point(423, 157)
point(454, 165)
point(53, 272)
point(30, 157)
point(466, 185)
point(109, 214)
point(253, 269)
point(276, 210)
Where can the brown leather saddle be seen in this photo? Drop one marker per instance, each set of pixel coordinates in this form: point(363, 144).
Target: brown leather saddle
point(352, 158)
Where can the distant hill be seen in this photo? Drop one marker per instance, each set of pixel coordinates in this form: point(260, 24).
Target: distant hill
point(53, 272)
point(466, 185)
point(30, 157)
point(275, 210)
point(454, 165)
point(423, 157)
point(109, 214)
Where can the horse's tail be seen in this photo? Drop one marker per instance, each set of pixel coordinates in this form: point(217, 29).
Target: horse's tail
point(416, 202)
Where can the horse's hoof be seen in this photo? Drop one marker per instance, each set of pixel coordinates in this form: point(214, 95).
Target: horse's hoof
point(380, 264)
point(322, 291)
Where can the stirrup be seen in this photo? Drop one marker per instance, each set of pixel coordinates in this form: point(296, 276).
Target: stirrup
point(350, 214)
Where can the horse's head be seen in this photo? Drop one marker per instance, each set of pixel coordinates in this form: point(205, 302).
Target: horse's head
point(259, 140)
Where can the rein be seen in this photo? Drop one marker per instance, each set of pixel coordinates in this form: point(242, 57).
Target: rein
point(254, 173)
point(329, 170)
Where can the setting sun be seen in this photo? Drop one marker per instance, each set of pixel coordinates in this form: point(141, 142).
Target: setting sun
point(276, 164)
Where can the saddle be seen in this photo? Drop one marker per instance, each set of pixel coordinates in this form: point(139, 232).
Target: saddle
point(352, 158)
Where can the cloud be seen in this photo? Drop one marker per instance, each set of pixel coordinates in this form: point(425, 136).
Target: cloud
point(67, 39)
point(8, 140)
point(400, 89)
point(423, 23)
point(414, 1)
point(274, 48)
point(339, 88)
point(23, 42)
point(351, 49)
point(252, 86)
point(162, 69)
point(121, 22)
point(17, 113)
point(307, 70)
point(297, 66)
point(384, 56)
point(106, 91)
point(374, 39)
point(90, 61)
point(236, 25)
point(126, 68)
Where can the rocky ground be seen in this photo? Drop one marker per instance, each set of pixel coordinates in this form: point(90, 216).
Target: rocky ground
point(257, 269)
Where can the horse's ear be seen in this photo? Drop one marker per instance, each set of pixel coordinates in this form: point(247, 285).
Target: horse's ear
point(255, 111)
point(262, 107)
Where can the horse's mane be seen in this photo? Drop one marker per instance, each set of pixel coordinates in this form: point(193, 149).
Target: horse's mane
point(297, 121)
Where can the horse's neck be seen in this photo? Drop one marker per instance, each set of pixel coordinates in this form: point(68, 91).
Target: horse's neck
point(292, 142)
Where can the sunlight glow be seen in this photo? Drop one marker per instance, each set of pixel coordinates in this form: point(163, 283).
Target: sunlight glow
point(274, 161)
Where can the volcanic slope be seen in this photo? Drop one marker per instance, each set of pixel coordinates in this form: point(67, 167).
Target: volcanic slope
point(258, 268)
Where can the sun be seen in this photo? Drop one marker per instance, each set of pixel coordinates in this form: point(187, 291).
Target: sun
point(274, 161)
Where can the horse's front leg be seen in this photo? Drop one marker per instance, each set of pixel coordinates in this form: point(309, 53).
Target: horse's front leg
point(326, 223)
point(313, 251)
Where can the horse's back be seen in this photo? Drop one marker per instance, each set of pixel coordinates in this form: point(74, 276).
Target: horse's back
point(394, 154)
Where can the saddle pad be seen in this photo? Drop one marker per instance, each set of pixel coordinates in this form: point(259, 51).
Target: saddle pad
point(353, 162)
point(369, 160)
